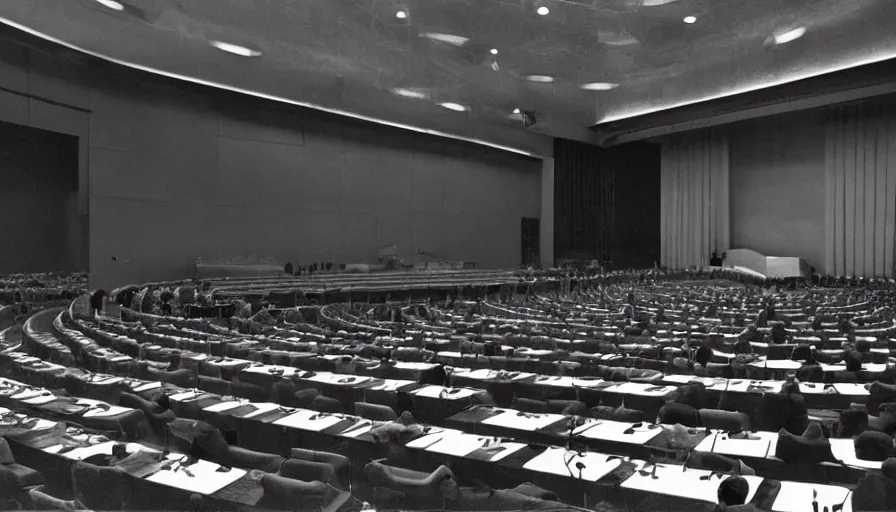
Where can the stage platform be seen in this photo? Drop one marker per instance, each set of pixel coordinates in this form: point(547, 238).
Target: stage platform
point(770, 267)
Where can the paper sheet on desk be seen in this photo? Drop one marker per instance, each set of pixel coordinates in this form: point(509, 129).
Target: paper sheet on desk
point(147, 387)
point(404, 365)
point(433, 436)
point(521, 421)
point(102, 449)
point(186, 395)
point(338, 379)
point(777, 364)
point(718, 443)
point(555, 381)
point(205, 480)
point(113, 410)
point(687, 379)
point(40, 399)
point(223, 406)
point(392, 385)
point(309, 420)
point(445, 393)
point(562, 462)
point(481, 374)
point(639, 389)
point(744, 385)
point(844, 450)
point(262, 408)
point(672, 481)
point(607, 430)
point(359, 428)
point(502, 450)
point(851, 389)
point(271, 369)
point(797, 497)
point(41, 424)
point(813, 388)
point(458, 445)
point(22, 395)
point(105, 380)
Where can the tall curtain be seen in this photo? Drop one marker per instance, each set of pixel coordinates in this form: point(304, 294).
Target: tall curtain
point(695, 197)
point(860, 190)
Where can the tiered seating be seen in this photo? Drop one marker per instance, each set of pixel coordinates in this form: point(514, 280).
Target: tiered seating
point(631, 390)
point(23, 294)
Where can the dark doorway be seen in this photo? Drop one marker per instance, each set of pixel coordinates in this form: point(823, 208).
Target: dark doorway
point(531, 242)
point(39, 215)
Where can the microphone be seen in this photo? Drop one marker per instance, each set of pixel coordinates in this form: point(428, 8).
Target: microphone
point(569, 437)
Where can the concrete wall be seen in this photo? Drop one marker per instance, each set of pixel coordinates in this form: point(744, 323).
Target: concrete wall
point(171, 172)
point(777, 179)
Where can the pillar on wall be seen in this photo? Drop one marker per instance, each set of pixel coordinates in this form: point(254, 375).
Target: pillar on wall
point(546, 234)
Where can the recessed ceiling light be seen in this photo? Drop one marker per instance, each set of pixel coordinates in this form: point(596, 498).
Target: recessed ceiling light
point(401, 15)
point(111, 4)
point(542, 79)
point(446, 38)
point(242, 51)
point(599, 86)
point(457, 107)
point(493, 51)
point(543, 11)
point(791, 35)
point(410, 93)
point(690, 20)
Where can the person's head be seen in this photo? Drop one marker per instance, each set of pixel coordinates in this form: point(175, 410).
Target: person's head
point(733, 491)
point(715, 254)
point(163, 402)
point(853, 362)
point(120, 450)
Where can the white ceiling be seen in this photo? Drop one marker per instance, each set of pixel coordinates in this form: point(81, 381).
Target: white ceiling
point(352, 55)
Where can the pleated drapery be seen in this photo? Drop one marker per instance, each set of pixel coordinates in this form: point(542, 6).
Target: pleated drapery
point(860, 190)
point(695, 198)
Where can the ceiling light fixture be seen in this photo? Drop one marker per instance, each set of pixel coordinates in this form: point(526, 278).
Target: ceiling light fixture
point(457, 107)
point(111, 4)
point(242, 51)
point(401, 15)
point(654, 3)
point(543, 11)
point(446, 38)
point(493, 51)
point(542, 79)
point(690, 20)
point(516, 111)
point(410, 93)
point(599, 86)
point(791, 35)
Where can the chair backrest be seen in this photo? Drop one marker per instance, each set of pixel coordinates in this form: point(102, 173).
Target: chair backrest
point(724, 420)
point(308, 471)
point(98, 488)
point(326, 404)
point(374, 412)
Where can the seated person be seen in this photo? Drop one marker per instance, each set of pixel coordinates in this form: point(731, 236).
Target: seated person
point(853, 371)
point(733, 491)
point(714, 260)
